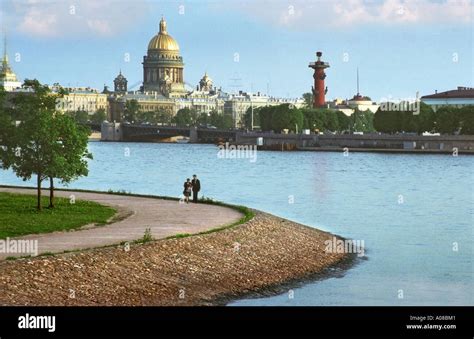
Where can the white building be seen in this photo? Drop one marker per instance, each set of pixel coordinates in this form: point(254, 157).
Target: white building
point(359, 102)
point(82, 99)
point(460, 97)
point(237, 105)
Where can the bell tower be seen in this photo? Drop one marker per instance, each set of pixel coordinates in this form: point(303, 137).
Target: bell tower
point(120, 84)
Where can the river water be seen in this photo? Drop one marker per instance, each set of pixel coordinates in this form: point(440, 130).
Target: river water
point(413, 212)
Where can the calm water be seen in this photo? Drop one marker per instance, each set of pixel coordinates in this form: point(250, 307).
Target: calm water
point(409, 245)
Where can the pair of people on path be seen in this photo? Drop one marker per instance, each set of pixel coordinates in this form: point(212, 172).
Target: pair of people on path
point(193, 186)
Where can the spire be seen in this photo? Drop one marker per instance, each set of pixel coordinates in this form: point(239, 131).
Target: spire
point(358, 81)
point(5, 55)
point(163, 26)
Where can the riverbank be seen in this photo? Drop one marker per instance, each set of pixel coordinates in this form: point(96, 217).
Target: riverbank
point(267, 254)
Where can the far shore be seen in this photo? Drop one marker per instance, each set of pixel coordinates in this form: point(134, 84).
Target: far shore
point(263, 256)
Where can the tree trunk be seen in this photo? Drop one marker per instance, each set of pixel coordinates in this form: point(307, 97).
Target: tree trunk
point(38, 205)
point(51, 192)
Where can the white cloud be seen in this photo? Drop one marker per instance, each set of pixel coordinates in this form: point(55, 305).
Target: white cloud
point(38, 23)
point(53, 18)
point(304, 14)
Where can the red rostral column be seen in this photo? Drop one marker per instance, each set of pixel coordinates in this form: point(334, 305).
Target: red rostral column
point(319, 75)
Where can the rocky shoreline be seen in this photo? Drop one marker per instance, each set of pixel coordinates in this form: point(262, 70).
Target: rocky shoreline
point(263, 256)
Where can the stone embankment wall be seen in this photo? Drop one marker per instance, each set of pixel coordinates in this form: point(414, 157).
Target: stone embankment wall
point(369, 141)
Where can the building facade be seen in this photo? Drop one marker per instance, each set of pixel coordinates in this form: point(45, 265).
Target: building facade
point(236, 105)
point(82, 99)
point(460, 97)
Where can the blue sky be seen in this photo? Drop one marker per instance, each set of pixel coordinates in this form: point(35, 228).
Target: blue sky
point(400, 47)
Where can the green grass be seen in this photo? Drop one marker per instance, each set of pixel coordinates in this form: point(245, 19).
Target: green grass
point(18, 215)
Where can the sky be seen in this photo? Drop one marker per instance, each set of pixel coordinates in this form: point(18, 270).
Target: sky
point(400, 47)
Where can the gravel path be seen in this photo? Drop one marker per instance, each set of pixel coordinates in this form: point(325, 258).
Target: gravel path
point(163, 217)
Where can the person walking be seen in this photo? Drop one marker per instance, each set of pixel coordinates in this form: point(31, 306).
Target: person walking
point(196, 187)
point(187, 190)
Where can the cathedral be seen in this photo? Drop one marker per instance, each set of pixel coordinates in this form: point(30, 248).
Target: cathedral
point(163, 65)
point(163, 88)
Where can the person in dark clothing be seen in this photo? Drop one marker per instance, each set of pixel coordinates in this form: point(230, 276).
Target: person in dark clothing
point(187, 190)
point(196, 188)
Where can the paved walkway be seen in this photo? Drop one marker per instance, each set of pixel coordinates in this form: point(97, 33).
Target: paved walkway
point(163, 217)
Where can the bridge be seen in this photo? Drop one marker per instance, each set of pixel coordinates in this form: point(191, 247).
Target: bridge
point(150, 133)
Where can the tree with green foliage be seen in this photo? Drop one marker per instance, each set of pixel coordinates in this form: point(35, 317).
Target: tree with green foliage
point(308, 100)
point(146, 117)
point(343, 121)
point(265, 118)
point(247, 118)
point(130, 113)
point(99, 116)
point(68, 160)
point(218, 120)
point(164, 117)
point(466, 114)
point(186, 117)
point(447, 120)
point(51, 145)
point(362, 121)
point(286, 116)
point(81, 117)
point(394, 120)
point(203, 119)
point(324, 119)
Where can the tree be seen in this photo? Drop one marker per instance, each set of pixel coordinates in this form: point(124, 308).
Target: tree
point(218, 120)
point(343, 121)
point(363, 121)
point(68, 159)
point(324, 119)
point(394, 120)
point(386, 121)
point(265, 118)
point(50, 144)
point(286, 117)
point(447, 120)
point(164, 117)
point(308, 100)
point(425, 120)
point(130, 113)
point(467, 116)
point(247, 118)
point(186, 117)
point(80, 116)
point(99, 116)
point(203, 119)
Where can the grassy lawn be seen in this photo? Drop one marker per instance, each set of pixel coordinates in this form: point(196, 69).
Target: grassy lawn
point(18, 215)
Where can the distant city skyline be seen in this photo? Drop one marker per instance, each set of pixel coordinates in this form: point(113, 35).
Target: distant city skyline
point(400, 47)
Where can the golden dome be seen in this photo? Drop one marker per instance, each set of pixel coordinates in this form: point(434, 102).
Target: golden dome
point(163, 41)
